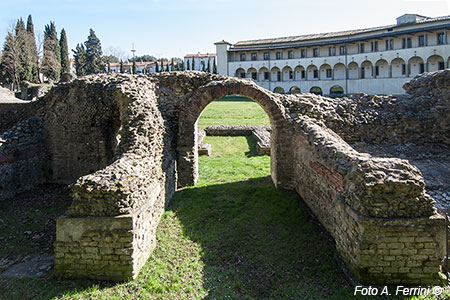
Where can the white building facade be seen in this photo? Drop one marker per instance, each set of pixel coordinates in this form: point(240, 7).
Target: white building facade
point(374, 60)
point(200, 61)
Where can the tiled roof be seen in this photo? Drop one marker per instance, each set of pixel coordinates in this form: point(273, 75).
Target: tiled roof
point(308, 37)
point(200, 55)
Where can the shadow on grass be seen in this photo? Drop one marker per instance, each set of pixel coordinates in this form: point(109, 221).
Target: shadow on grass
point(259, 243)
point(252, 145)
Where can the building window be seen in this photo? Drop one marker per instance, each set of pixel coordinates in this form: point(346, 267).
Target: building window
point(291, 75)
point(406, 43)
point(422, 67)
point(254, 57)
point(303, 74)
point(266, 75)
point(303, 53)
point(242, 56)
point(441, 65)
point(332, 51)
point(363, 73)
point(403, 69)
point(361, 48)
point(441, 38)
point(278, 55)
point(422, 40)
point(374, 45)
point(278, 76)
point(343, 50)
point(315, 74)
point(290, 54)
point(377, 70)
point(254, 75)
point(390, 44)
point(328, 73)
point(242, 75)
point(266, 55)
point(315, 52)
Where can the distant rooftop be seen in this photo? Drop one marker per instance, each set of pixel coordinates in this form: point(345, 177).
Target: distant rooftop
point(404, 20)
point(200, 55)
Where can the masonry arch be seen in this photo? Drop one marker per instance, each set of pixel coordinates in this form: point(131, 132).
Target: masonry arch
point(295, 90)
point(263, 74)
point(398, 67)
point(416, 65)
point(312, 72)
point(336, 90)
point(326, 72)
point(435, 63)
point(381, 68)
point(366, 69)
point(275, 74)
point(252, 73)
point(339, 71)
point(194, 104)
point(299, 73)
point(240, 73)
point(288, 74)
point(316, 90)
point(353, 70)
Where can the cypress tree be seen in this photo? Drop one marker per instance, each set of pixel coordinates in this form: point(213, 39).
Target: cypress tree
point(214, 66)
point(109, 68)
point(80, 60)
point(188, 67)
point(51, 64)
point(32, 50)
point(208, 68)
point(156, 67)
point(203, 66)
point(167, 67)
point(134, 66)
point(24, 70)
point(65, 63)
point(10, 64)
point(93, 47)
point(122, 70)
point(193, 64)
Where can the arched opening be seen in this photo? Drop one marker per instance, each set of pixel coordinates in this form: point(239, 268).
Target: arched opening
point(381, 69)
point(312, 73)
point(187, 145)
point(366, 69)
point(336, 90)
point(353, 72)
point(326, 72)
point(279, 90)
point(263, 74)
point(316, 90)
point(398, 67)
point(251, 73)
point(240, 73)
point(339, 71)
point(295, 90)
point(416, 66)
point(435, 63)
point(275, 74)
point(288, 74)
point(300, 73)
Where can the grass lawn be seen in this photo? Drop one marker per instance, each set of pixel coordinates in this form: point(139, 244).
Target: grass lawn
point(233, 236)
point(233, 111)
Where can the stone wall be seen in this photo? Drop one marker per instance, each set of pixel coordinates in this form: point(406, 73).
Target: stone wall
point(21, 158)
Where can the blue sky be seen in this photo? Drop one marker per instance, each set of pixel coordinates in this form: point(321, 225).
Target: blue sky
point(173, 28)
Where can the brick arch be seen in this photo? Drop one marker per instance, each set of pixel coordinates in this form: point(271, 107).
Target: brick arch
point(196, 102)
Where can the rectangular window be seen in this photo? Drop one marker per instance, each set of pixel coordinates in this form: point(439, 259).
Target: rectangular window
point(303, 53)
point(278, 55)
point(328, 73)
point(266, 55)
point(266, 75)
point(291, 75)
point(377, 70)
point(422, 67)
point(363, 73)
point(242, 56)
point(403, 69)
point(290, 54)
point(315, 52)
point(441, 38)
point(343, 50)
point(316, 74)
point(406, 43)
point(361, 48)
point(278, 76)
point(390, 44)
point(303, 74)
point(242, 75)
point(422, 42)
point(332, 51)
point(254, 75)
point(374, 45)
point(254, 56)
point(441, 65)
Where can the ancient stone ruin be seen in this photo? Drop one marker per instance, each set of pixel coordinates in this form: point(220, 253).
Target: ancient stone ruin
point(125, 143)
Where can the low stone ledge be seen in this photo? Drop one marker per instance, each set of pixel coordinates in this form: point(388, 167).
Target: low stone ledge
point(233, 130)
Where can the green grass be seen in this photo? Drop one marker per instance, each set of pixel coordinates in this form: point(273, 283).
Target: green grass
point(233, 111)
point(233, 236)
